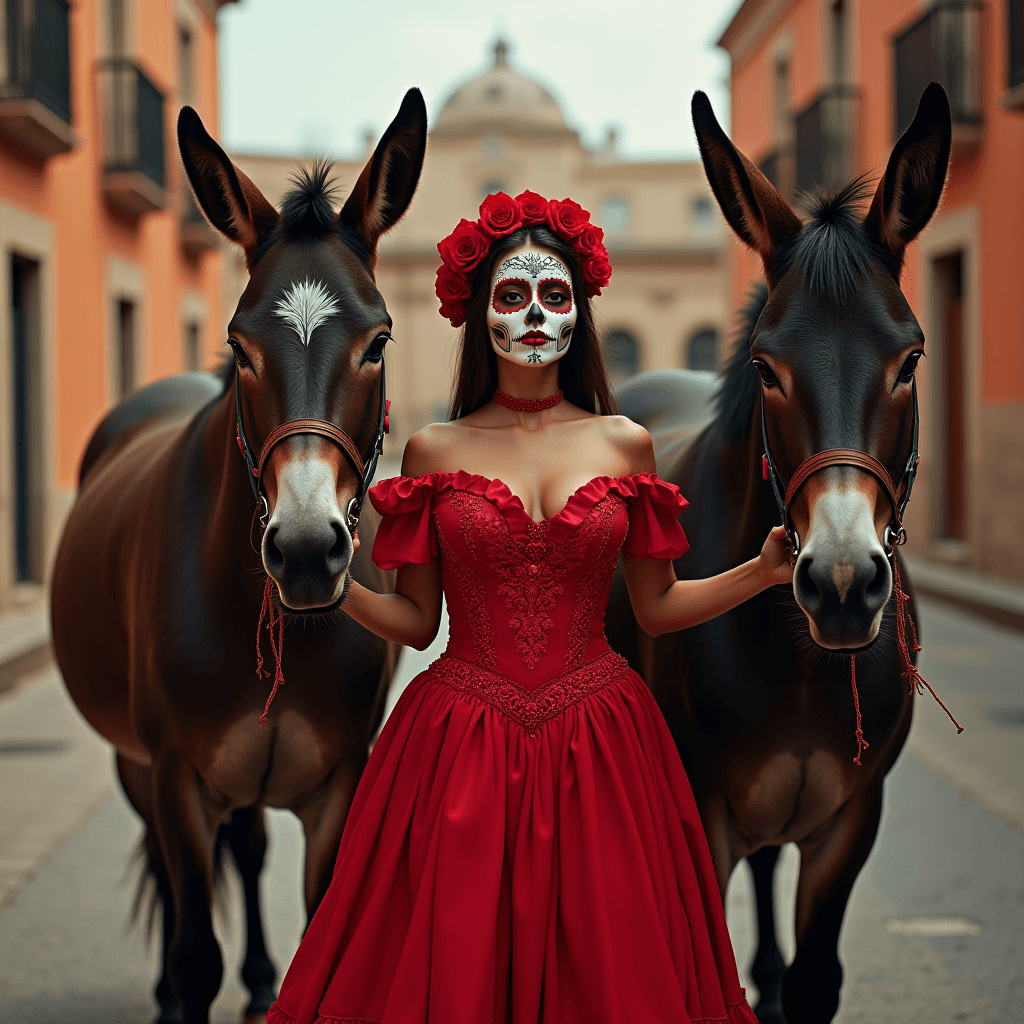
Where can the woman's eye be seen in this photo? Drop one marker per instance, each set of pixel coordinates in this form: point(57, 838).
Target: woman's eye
point(512, 297)
point(906, 374)
point(239, 353)
point(768, 379)
point(556, 298)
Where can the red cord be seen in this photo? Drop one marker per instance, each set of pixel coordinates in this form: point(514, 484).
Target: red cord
point(916, 680)
point(276, 645)
point(862, 744)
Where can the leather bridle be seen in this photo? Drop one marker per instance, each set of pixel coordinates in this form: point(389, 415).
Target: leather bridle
point(898, 495)
point(323, 428)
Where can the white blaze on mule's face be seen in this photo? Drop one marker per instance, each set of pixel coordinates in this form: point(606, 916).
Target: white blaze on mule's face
point(305, 306)
point(532, 311)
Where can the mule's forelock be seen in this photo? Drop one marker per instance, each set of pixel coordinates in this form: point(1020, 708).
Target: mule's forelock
point(833, 251)
point(305, 306)
point(307, 209)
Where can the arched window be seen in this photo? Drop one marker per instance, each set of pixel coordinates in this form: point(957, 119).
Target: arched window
point(492, 186)
point(702, 211)
point(702, 350)
point(613, 215)
point(621, 355)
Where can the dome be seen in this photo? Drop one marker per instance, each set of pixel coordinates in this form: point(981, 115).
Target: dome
point(500, 99)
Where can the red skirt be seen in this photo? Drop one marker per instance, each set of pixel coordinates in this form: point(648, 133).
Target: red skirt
point(520, 856)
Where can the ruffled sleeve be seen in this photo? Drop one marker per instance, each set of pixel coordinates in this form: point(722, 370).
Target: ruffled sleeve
point(654, 530)
point(405, 535)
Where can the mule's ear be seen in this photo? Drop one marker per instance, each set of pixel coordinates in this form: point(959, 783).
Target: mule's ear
point(386, 186)
point(234, 205)
point(749, 201)
point(912, 184)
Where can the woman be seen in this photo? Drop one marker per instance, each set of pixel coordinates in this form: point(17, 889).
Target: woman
point(523, 846)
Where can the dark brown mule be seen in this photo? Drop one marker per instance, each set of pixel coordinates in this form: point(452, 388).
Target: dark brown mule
point(760, 700)
point(157, 588)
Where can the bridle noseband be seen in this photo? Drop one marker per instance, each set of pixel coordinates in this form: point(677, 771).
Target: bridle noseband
point(323, 428)
point(899, 496)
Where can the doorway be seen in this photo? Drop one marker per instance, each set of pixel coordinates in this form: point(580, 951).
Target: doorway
point(951, 404)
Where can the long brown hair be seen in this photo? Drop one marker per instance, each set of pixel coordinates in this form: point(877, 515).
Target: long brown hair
point(581, 373)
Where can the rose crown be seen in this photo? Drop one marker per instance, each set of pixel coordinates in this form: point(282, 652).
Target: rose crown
point(467, 246)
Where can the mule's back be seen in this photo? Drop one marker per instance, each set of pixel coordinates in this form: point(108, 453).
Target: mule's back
point(674, 406)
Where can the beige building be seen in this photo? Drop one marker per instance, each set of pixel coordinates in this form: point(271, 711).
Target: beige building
point(667, 304)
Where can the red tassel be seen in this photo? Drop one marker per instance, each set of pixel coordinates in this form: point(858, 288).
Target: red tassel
point(387, 413)
point(862, 744)
point(916, 680)
point(276, 645)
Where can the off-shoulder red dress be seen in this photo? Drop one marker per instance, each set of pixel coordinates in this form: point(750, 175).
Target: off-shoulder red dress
point(523, 847)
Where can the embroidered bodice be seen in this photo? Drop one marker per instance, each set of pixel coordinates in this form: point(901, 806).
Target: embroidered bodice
point(526, 599)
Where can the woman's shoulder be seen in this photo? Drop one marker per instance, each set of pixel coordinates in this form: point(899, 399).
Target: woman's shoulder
point(430, 449)
point(630, 441)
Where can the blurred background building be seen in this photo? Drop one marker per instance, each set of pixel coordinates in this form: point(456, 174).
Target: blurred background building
point(499, 131)
point(821, 89)
point(110, 276)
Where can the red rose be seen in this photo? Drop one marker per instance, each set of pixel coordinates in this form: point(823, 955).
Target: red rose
point(533, 208)
point(452, 288)
point(567, 219)
point(597, 272)
point(464, 248)
point(500, 215)
point(590, 241)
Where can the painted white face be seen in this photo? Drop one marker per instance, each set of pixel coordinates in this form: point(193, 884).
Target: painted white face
point(532, 311)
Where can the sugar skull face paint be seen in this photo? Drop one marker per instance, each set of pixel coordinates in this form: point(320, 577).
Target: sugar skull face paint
point(532, 311)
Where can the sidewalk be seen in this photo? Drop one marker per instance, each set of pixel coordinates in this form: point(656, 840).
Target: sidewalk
point(24, 642)
point(991, 597)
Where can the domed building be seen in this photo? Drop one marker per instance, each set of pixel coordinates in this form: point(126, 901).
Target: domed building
point(667, 304)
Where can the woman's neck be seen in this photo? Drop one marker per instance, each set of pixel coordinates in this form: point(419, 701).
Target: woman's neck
point(529, 382)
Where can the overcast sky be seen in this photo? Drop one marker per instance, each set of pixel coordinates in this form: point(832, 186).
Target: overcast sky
point(313, 75)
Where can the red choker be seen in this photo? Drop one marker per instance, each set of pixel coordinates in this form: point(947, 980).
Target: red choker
point(527, 404)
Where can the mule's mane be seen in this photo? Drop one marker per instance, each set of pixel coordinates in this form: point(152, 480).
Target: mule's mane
point(735, 398)
point(307, 210)
point(833, 250)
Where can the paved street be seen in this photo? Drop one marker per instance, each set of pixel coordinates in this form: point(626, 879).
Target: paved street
point(950, 860)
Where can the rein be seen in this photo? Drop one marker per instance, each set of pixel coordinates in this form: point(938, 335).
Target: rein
point(365, 472)
point(895, 535)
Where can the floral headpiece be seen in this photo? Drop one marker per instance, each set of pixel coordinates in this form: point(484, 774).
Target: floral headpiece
point(467, 246)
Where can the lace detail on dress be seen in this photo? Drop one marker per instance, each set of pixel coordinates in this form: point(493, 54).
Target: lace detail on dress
point(529, 708)
point(474, 600)
point(593, 582)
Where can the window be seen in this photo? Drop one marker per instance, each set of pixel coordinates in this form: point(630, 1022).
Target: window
point(702, 211)
point(125, 327)
point(192, 345)
point(621, 355)
point(488, 188)
point(702, 350)
point(614, 215)
point(186, 65)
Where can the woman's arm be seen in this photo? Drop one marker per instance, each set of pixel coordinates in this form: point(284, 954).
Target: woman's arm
point(663, 604)
point(412, 614)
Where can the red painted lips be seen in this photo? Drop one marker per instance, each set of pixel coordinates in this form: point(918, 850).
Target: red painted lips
point(535, 338)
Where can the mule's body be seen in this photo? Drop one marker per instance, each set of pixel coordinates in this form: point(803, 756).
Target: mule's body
point(165, 566)
point(761, 700)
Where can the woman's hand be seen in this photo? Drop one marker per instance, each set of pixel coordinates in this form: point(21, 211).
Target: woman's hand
point(774, 558)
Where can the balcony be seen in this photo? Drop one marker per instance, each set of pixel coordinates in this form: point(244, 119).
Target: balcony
point(1014, 97)
point(943, 46)
point(826, 134)
point(195, 233)
point(35, 81)
point(134, 177)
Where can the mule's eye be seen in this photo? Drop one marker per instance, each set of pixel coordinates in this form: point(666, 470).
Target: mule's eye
point(375, 353)
point(239, 353)
point(768, 379)
point(906, 374)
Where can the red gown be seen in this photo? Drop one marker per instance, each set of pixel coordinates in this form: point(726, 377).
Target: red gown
point(523, 847)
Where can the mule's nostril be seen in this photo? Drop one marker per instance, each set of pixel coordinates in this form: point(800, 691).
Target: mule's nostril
point(876, 590)
point(808, 591)
point(341, 551)
point(273, 557)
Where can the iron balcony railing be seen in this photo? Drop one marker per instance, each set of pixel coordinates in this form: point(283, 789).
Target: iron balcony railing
point(133, 120)
point(826, 134)
point(943, 46)
point(1015, 35)
point(37, 56)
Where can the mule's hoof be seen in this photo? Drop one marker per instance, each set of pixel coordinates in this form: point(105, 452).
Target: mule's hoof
point(256, 1011)
point(169, 1015)
point(769, 1013)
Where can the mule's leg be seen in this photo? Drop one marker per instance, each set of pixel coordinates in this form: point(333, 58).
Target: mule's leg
point(137, 783)
point(323, 821)
point(768, 966)
point(830, 861)
point(246, 836)
point(187, 826)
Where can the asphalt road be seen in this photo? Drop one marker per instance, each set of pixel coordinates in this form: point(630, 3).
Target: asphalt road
point(935, 930)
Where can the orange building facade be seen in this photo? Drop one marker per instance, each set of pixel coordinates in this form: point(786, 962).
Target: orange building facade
point(821, 89)
point(110, 277)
